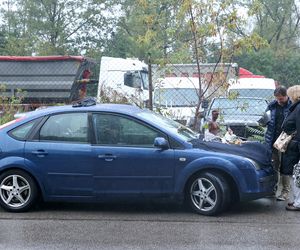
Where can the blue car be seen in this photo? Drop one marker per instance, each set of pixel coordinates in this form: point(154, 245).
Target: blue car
point(102, 152)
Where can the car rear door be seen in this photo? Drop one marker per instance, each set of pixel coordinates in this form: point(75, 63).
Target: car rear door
point(60, 152)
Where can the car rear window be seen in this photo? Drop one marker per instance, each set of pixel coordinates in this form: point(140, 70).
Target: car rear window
point(21, 132)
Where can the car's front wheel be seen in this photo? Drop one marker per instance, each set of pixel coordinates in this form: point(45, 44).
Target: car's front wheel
point(208, 193)
point(18, 191)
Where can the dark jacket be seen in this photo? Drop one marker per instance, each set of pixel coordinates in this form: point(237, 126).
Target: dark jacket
point(292, 154)
point(271, 126)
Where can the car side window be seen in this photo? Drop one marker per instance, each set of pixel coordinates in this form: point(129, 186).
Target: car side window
point(69, 127)
point(121, 131)
point(21, 132)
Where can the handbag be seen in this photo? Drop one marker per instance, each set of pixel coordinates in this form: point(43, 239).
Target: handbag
point(296, 174)
point(283, 141)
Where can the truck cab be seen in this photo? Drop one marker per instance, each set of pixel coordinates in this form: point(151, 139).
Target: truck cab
point(123, 80)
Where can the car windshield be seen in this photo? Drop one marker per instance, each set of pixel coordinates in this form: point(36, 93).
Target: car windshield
point(176, 97)
point(182, 131)
point(239, 107)
point(261, 93)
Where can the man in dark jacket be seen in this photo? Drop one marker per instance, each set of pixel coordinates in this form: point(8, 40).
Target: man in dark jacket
point(279, 109)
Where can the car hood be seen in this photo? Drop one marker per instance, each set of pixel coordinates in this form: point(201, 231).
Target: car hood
point(250, 120)
point(256, 151)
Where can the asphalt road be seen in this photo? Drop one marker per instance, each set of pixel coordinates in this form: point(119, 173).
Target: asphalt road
point(261, 224)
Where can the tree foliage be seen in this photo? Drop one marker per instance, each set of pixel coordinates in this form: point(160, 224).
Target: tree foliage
point(47, 27)
point(277, 22)
point(171, 31)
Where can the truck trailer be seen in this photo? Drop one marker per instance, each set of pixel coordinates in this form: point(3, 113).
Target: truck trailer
point(45, 80)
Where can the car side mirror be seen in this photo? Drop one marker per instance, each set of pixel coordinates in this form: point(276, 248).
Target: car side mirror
point(205, 104)
point(161, 143)
point(128, 79)
point(265, 119)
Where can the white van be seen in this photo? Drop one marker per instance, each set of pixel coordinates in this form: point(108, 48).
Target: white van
point(121, 77)
point(253, 87)
point(177, 97)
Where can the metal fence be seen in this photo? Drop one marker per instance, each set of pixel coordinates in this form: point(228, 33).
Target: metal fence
point(43, 80)
point(184, 92)
point(240, 103)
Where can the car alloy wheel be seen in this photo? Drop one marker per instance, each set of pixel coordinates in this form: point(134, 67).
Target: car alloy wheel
point(208, 193)
point(18, 191)
point(203, 194)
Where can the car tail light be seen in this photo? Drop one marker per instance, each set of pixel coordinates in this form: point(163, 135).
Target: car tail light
point(11, 122)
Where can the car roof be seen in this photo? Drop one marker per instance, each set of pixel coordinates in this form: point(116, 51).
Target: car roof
point(117, 108)
point(126, 109)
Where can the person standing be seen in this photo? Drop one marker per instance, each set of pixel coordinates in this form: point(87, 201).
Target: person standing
point(194, 122)
point(279, 109)
point(292, 155)
point(213, 126)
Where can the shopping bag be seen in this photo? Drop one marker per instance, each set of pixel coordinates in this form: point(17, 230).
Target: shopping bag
point(283, 141)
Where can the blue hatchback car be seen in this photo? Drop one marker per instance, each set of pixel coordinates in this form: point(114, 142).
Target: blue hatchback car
point(89, 153)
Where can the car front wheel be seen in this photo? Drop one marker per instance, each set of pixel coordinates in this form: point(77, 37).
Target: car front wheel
point(18, 191)
point(208, 193)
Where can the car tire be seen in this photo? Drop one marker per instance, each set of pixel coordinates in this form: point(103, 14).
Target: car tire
point(208, 193)
point(18, 191)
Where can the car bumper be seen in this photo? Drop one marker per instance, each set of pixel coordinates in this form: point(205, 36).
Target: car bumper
point(265, 187)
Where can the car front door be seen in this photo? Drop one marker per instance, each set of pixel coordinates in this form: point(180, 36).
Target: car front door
point(61, 154)
point(126, 160)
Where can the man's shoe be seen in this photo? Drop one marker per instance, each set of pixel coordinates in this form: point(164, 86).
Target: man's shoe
point(283, 197)
point(292, 208)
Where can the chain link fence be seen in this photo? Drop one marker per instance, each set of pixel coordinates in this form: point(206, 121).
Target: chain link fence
point(187, 93)
point(27, 83)
point(240, 103)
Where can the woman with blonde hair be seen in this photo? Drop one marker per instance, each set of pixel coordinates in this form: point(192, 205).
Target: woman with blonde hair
point(291, 157)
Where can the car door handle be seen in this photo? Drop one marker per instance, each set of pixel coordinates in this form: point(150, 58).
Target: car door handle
point(39, 153)
point(107, 157)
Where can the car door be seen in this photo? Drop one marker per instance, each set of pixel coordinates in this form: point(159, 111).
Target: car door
point(60, 152)
point(126, 160)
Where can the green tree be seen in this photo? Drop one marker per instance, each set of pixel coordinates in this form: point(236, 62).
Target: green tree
point(144, 29)
point(277, 21)
point(48, 27)
point(282, 66)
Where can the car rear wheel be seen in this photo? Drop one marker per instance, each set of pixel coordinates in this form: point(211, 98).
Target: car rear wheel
point(208, 193)
point(18, 191)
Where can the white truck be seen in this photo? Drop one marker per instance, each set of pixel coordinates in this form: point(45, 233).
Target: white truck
point(123, 80)
point(176, 87)
point(253, 87)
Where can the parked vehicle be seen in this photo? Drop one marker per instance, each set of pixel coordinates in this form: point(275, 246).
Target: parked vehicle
point(46, 80)
point(221, 71)
point(214, 77)
point(253, 87)
point(177, 97)
point(241, 114)
point(88, 152)
point(123, 78)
